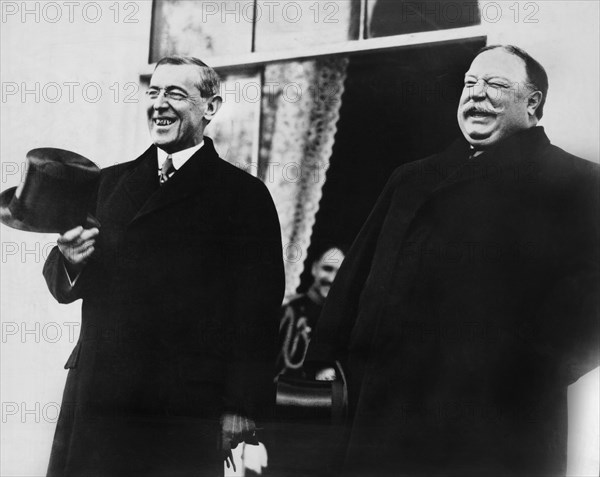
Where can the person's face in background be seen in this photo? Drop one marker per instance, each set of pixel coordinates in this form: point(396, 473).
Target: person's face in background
point(324, 271)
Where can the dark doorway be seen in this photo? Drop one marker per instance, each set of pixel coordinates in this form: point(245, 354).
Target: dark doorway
point(397, 107)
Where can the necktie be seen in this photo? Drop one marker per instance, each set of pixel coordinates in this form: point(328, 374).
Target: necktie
point(167, 169)
point(473, 153)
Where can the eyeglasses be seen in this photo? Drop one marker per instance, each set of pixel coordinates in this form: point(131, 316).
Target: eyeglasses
point(154, 93)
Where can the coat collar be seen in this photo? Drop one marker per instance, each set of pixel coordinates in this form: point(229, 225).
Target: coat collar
point(519, 150)
point(520, 146)
point(142, 179)
point(142, 183)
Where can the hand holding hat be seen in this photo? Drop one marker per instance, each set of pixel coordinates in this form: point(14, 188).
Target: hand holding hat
point(77, 245)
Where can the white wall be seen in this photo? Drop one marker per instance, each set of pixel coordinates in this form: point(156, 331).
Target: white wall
point(112, 53)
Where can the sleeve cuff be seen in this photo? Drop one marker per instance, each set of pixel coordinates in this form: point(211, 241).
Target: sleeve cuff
point(72, 280)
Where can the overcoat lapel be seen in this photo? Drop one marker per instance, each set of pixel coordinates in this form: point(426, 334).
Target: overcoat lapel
point(190, 179)
point(508, 158)
point(432, 175)
point(128, 190)
point(142, 181)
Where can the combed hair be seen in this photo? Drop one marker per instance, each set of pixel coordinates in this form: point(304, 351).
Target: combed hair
point(209, 84)
point(322, 248)
point(536, 74)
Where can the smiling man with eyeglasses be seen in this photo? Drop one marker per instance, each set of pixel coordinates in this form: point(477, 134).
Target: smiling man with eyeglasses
point(180, 103)
point(181, 287)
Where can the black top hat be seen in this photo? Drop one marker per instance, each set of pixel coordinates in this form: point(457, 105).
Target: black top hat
point(54, 195)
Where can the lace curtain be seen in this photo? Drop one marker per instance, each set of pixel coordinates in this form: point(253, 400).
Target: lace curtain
point(300, 110)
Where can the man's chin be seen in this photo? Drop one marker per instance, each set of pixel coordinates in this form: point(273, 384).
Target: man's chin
point(478, 138)
point(160, 141)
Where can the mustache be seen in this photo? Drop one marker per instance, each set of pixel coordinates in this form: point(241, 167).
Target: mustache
point(478, 109)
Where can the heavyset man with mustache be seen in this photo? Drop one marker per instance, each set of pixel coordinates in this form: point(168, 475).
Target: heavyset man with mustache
point(469, 301)
point(181, 288)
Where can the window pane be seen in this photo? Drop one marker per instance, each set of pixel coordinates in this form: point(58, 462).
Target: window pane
point(396, 17)
point(289, 25)
point(201, 28)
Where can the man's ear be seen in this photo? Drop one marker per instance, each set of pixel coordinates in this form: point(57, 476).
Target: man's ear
point(533, 102)
point(212, 107)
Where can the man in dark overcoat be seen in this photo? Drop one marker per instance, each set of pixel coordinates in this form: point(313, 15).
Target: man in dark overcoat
point(469, 301)
point(181, 287)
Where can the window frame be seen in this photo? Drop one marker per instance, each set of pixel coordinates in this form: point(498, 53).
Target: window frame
point(249, 62)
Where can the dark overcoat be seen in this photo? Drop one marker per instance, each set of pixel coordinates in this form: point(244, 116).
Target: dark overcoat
point(179, 319)
point(467, 304)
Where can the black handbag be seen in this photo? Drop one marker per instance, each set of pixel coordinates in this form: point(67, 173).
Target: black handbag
point(308, 399)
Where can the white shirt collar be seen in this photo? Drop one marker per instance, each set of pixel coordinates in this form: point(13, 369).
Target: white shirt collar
point(179, 158)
